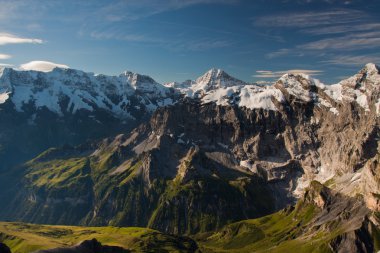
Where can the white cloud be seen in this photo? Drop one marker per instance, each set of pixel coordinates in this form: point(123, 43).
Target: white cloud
point(278, 53)
point(137, 9)
point(5, 56)
point(353, 60)
point(349, 42)
point(44, 66)
point(341, 29)
point(5, 65)
point(195, 44)
point(311, 19)
point(276, 74)
point(6, 38)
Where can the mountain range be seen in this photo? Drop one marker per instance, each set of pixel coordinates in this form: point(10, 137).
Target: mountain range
point(200, 158)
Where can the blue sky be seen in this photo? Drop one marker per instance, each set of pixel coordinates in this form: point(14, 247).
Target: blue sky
point(174, 40)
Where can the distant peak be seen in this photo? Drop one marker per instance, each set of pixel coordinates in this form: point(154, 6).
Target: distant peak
point(219, 78)
point(295, 75)
point(216, 72)
point(371, 68)
point(131, 73)
point(139, 81)
point(128, 72)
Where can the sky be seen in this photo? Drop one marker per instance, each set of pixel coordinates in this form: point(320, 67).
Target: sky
point(176, 40)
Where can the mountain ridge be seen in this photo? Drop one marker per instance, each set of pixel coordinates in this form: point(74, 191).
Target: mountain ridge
point(213, 157)
point(113, 93)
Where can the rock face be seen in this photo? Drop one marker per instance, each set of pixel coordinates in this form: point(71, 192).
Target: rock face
point(225, 151)
point(322, 221)
point(346, 219)
point(39, 110)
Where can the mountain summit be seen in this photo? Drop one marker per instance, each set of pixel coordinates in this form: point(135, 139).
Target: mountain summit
point(214, 79)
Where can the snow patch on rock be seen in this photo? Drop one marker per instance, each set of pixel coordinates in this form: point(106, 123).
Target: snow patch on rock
point(71, 90)
point(4, 97)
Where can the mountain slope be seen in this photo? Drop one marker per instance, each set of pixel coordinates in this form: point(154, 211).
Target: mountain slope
point(322, 221)
point(209, 159)
point(65, 91)
point(114, 186)
point(65, 106)
point(22, 238)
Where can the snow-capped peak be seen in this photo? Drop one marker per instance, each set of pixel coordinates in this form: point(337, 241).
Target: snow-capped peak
point(371, 68)
point(142, 83)
point(83, 90)
point(362, 88)
point(68, 90)
point(216, 78)
point(5, 90)
point(299, 85)
point(210, 75)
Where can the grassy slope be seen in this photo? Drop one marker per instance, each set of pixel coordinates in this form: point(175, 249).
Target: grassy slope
point(289, 230)
point(200, 203)
point(292, 230)
point(279, 232)
point(25, 238)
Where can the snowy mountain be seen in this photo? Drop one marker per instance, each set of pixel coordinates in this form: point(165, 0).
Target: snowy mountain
point(73, 106)
point(222, 151)
point(67, 91)
point(218, 87)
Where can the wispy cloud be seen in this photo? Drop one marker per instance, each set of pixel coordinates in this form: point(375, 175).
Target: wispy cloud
point(6, 38)
point(348, 42)
point(352, 60)
point(331, 32)
point(44, 66)
point(172, 44)
point(8, 9)
point(344, 2)
point(311, 19)
point(339, 29)
point(6, 65)
point(201, 44)
point(278, 53)
point(137, 9)
point(122, 20)
point(117, 34)
point(276, 74)
point(5, 56)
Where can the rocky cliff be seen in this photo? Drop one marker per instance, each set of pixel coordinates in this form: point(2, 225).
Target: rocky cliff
point(225, 151)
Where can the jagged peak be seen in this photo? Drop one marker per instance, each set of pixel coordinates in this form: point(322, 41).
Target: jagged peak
point(136, 78)
point(213, 73)
point(371, 72)
point(2, 70)
point(371, 68)
point(295, 75)
point(216, 78)
point(368, 75)
point(289, 80)
point(299, 85)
